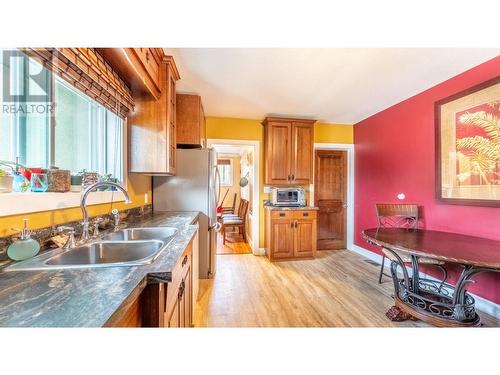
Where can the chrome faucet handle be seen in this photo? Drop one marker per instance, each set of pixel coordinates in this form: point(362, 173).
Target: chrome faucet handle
point(116, 216)
point(70, 243)
point(85, 232)
point(97, 221)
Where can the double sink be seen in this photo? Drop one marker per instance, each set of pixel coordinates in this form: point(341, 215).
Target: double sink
point(126, 247)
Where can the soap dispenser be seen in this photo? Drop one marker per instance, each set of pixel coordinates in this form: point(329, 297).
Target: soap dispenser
point(25, 247)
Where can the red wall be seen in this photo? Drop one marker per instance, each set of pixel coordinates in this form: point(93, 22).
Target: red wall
point(394, 153)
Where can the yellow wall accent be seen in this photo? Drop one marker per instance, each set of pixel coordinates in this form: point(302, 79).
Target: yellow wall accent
point(244, 129)
point(333, 133)
point(137, 186)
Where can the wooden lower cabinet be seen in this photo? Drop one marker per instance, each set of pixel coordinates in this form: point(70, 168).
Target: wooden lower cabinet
point(305, 231)
point(168, 305)
point(290, 234)
point(282, 238)
point(179, 294)
point(181, 311)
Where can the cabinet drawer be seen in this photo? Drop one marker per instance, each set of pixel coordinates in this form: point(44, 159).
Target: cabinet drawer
point(281, 215)
point(305, 214)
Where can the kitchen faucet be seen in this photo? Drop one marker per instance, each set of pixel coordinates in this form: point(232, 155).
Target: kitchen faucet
point(83, 204)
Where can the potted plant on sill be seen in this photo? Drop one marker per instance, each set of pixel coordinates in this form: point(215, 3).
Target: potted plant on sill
point(18, 182)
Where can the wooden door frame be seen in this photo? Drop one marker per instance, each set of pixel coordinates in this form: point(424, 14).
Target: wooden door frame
point(349, 148)
point(254, 242)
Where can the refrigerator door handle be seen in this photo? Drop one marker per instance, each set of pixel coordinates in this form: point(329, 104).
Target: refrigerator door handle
point(217, 178)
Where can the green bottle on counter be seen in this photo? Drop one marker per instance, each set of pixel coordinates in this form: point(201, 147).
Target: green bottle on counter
point(25, 247)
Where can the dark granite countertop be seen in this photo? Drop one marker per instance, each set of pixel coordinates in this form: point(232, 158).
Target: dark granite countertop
point(88, 297)
point(280, 208)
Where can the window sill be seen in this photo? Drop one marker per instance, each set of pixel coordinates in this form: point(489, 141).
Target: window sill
point(22, 203)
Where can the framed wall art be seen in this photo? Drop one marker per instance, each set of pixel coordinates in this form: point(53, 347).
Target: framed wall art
point(468, 146)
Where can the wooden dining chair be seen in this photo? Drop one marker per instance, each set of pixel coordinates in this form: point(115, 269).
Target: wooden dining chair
point(398, 215)
point(234, 214)
point(238, 221)
point(230, 209)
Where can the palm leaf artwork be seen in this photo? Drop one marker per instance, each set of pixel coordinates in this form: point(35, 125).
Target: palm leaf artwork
point(495, 104)
point(483, 152)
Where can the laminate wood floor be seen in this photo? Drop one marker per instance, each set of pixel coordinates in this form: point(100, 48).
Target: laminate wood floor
point(337, 289)
point(234, 245)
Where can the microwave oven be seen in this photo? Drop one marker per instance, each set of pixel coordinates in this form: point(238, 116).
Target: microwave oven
point(288, 197)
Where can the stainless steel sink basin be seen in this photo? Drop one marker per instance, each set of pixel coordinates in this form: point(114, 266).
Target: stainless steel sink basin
point(105, 253)
point(127, 247)
point(134, 234)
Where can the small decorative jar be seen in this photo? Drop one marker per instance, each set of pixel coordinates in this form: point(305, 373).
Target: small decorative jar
point(59, 180)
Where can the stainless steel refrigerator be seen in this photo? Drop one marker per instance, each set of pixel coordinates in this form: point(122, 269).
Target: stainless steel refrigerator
point(195, 187)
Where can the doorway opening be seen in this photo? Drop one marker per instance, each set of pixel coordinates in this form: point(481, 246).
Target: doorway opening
point(238, 211)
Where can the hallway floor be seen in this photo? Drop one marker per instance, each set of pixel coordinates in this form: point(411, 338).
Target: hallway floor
point(234, 245)
point(337, 289)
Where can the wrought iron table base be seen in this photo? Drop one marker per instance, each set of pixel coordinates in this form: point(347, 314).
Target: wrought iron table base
point(433, 301)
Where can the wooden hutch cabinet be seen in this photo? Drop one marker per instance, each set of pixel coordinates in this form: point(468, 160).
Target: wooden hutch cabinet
point(288, 151)
point(290, 234)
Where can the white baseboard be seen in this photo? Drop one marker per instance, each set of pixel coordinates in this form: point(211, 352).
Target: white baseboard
point(256, 250)
point(482, 304)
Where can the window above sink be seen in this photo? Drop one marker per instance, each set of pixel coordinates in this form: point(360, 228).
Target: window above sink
point(68, 129)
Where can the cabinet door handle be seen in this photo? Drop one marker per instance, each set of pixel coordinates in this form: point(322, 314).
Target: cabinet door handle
point(296, 224)
point(293, 177)
point(291, 224)
point(184, 261)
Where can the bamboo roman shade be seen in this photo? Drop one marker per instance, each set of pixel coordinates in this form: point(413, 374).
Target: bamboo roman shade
point(223, 162)
point(86, 69)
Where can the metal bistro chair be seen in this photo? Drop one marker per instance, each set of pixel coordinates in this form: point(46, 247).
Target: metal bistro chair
point(391, 215)
point(236, 221)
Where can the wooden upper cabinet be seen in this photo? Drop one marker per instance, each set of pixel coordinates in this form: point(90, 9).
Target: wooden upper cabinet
point(170, 97)
point(277, 146)
point(302, 153)
point(150, 60)
point(190, 121)
point(139, 67)
point(152, 126)
point(288, 150)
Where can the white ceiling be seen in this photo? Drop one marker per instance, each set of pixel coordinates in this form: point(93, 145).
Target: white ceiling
point(329, 85)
